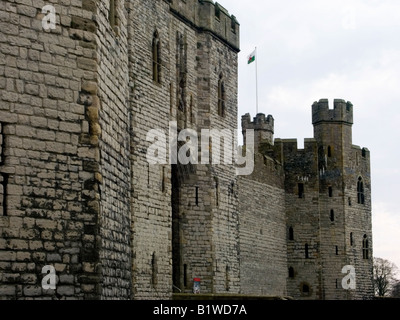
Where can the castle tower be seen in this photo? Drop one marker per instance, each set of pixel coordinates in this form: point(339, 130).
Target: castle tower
point(344, 201)
point(328, 208)
point(263, 128)
point(333, 127)
point(204, 212)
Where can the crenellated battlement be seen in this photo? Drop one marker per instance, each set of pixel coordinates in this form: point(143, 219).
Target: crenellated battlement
point(208, 16)
point(342, 112)
point(263, 127)
point(260, 122)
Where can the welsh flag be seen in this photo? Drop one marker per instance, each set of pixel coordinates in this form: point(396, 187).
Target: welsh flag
point(252, 57)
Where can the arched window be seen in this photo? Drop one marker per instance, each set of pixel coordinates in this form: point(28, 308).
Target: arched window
point(156, 53)
point(365, 247)
point(291, 233)
point(332, 215)
point(307, 255)
point(221, 96)
point(360, 191)
point(291, 272)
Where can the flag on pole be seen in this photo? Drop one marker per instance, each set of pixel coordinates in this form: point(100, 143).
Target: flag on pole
point(252, 57)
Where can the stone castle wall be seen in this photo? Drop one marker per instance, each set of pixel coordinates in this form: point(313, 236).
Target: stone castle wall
point(263, 248)
point(77, 191)
point(50, 205)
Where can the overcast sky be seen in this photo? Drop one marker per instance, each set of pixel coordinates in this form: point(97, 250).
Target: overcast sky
point(308, 50)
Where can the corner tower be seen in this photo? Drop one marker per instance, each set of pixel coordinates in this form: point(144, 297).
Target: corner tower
point(344, 201)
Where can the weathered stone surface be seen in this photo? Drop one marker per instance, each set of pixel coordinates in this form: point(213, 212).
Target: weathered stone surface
point(77, 191)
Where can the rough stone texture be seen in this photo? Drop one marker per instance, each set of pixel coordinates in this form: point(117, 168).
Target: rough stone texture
point(77, 191)
point(263, 252)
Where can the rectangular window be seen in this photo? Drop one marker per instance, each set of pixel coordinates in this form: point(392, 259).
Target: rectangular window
point(301, 190)
point(330, 192)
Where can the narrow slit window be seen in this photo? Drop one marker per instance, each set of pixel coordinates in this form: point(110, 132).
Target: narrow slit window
point(301, 190)
point(171, 98)
point(360, 191)
point(332, 215)
point(329, 151)
point(221, 96)
point(351, 239)
point(291, 234)
point(191, 116)
point(365, 247)
point(185, 275)
point(3, 176)
point(197, 196)
point(337, 250)
point(306, 251)
point(163, 179)
point(217, 193)
point(156, 52)
point(227, 278)
point(330, 192)
point(3, 189)
point(2, 144)
point(148, 175)
point(291, 273)
point(154, 270)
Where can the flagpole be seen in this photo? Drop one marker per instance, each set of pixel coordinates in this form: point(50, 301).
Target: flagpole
point(256, 82)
